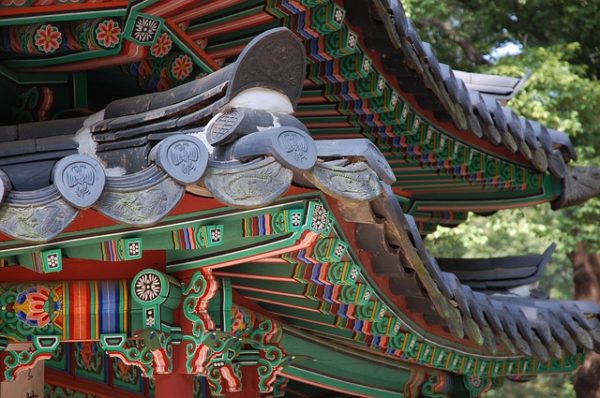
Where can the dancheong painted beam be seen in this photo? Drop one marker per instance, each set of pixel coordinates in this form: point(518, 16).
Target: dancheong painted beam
point(229, 198)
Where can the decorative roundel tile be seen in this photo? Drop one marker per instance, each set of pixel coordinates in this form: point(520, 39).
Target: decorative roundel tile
point(79, 179)
point(183, 157)
point(148, 286)
point(296, 148)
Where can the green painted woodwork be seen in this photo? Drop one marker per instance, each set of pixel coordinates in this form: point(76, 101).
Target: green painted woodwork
point(43, 262)
point(151, 355)
point(89, 360)
point(53, 391)
point(409, 348)
point(342, 303)
point(154, 24)
point(323, 16)
point(15, 299)
point(15, 362)
point(155, 237)
point(33, 79)
point(155, 296)
point(327, 18)
point(427, 384)
point(80, 92)
point(322, 288)
point(221, 334)
point(279, 387)
point(127, 377)
point(374, 323)
point(340, 42)
point(60, 358)
point(282, 235)
point(477, 386)
point(338, 368)
point(352, 67)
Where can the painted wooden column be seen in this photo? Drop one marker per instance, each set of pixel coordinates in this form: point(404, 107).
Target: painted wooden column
point(250, 388)
point(178, 385)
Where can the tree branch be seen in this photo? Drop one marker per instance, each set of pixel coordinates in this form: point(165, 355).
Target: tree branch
point(468, 48)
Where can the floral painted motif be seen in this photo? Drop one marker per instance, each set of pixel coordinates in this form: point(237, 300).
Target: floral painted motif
point(181, 67)
point(145, 29)
point(240, 320)
point(47, 38)
point(88, 356)
point(107, 33)
point(320, 218)
point(162, 46)
point(147, 287)
point(37, 306)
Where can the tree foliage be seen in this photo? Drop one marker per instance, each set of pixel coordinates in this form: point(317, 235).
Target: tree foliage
point(487, 25)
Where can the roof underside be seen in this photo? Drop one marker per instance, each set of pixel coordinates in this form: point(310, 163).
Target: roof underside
point(369, 75)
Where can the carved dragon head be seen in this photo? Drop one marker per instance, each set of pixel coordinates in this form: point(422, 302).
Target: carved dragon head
point(580, 184)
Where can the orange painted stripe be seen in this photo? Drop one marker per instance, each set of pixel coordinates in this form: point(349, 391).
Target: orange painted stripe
point(308, 239)
point(62, 8)
point(164, 8)
point(228, 52)
point(330, 112)
point(313, 100)
point(224, 28)
point(250, 276)
point(282, 315)
point(256, 289)
point(197, 12)
point(79, 299)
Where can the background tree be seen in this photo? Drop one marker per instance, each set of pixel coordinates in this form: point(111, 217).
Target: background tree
point(557, 41)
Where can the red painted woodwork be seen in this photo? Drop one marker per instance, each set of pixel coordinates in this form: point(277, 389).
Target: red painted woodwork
point(77, 269)
point(174, 385)
point(249, 384)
